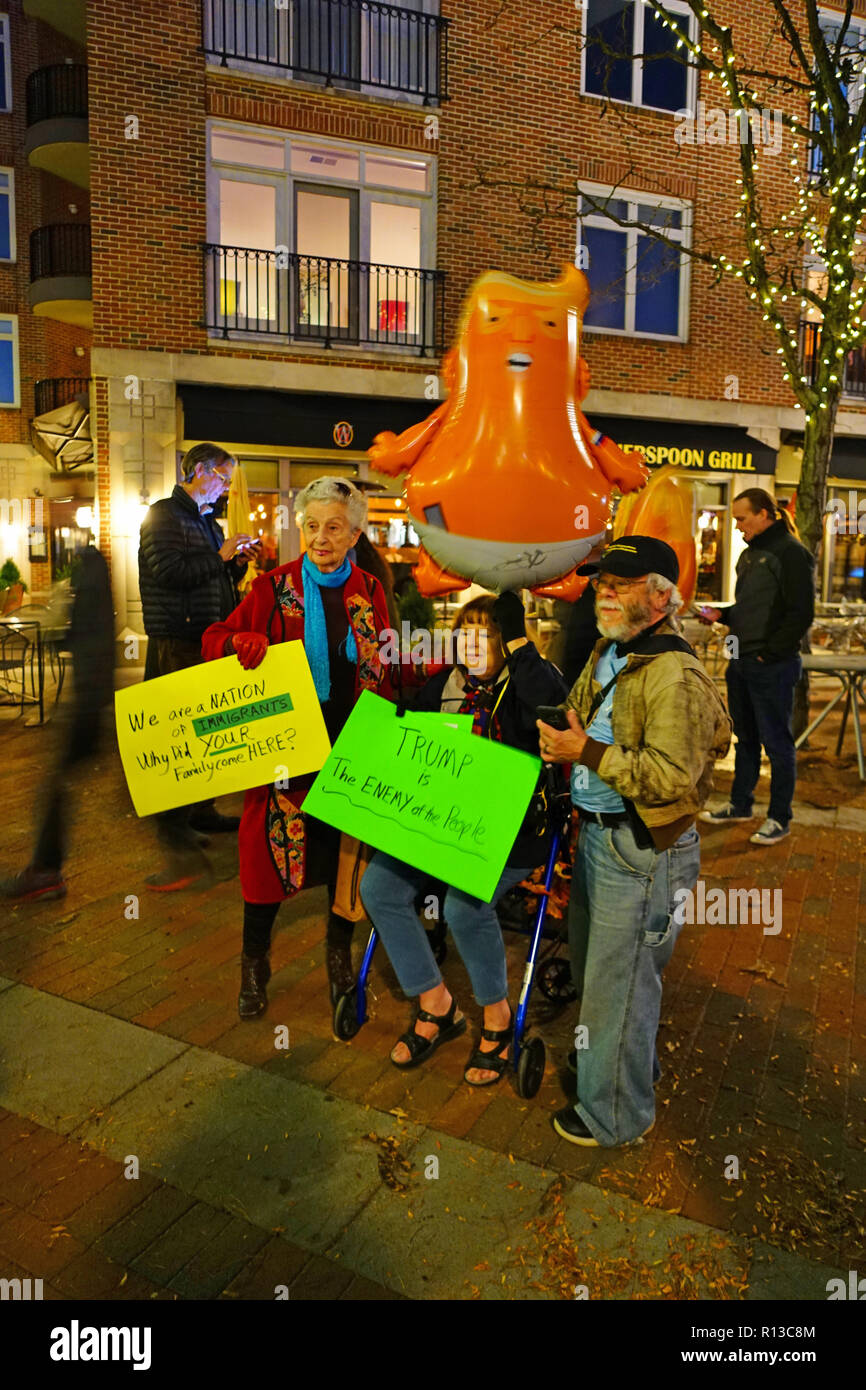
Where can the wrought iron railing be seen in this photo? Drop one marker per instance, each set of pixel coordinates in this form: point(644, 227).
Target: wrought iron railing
point(60, 90)
point(854, 365)
point(61, 249)
point(54, 391)
point(345, 43)
point(323, 299)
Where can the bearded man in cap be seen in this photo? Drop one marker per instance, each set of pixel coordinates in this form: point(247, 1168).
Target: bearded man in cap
point(645, 725)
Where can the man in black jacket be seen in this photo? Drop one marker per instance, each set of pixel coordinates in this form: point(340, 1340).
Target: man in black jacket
point(187, 574)
point(775, 606)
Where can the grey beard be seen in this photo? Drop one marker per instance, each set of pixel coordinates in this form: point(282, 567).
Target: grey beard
point(634, 619)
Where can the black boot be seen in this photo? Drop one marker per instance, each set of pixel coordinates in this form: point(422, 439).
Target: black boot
point(338, 956)
point(253, 998)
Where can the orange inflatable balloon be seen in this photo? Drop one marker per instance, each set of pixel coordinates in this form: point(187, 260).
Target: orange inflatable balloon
point(509, 486)
point(665, 508)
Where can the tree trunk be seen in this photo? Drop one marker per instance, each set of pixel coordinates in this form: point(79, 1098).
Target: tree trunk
point(811, 493)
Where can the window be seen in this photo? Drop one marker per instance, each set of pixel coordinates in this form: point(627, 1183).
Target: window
point(10, 392)
point(5, 65)
point(344, 237)
point(651, 71)
point(7, 215)
point(638, 284)
point(851, 67)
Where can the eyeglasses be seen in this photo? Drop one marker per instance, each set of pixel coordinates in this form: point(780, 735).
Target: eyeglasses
point(600, 581)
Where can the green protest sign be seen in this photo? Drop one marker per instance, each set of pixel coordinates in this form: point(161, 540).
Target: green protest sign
point(462, 723)
point(420, 789)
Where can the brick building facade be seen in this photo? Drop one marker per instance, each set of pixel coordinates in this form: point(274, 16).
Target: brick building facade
point(290, 200)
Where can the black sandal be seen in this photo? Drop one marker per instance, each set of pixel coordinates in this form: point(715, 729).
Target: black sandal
point(491, 1061)
point(421, 1048)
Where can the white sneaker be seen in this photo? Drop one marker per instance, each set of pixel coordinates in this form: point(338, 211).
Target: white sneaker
point(769, 833)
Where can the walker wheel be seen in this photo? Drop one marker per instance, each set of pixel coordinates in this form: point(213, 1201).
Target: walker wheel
point(555, 983)
point(530, 1068)
point(346, 1023)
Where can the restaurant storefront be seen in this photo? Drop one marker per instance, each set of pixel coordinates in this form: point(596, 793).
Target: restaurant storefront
point(841, 576)
point(720, 461)
point(286, 439)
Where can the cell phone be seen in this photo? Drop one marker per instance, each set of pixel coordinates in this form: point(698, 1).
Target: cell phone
point(552, 715)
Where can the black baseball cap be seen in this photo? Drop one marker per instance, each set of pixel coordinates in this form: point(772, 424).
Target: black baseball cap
point(630, 557)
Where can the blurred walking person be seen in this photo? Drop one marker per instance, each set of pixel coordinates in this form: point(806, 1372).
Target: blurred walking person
point(91, 642)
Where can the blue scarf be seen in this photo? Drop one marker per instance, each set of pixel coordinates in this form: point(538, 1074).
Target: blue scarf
point(315, 631)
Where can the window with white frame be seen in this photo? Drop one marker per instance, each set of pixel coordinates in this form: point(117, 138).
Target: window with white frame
point(639, 284)
point(356, 224)
point(7, 214)
point(630, 54)
point(10, 386)
point(5, 65)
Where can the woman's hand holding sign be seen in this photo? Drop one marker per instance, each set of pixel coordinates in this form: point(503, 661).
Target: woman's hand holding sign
point(250, 648)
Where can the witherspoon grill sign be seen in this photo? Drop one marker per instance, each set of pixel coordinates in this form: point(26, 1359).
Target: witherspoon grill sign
point(721, 460)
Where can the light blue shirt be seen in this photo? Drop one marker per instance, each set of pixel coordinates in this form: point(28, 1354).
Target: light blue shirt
point(588, 791)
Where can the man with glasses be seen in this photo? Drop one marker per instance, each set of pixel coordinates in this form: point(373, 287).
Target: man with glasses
point(645, 725)
point(187, 574)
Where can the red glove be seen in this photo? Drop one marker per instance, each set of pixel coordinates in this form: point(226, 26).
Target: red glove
point(250, 648)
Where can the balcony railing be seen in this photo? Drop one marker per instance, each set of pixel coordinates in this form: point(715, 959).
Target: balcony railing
point(61, 249)
point(345, 43)
point(854, 377)
point(323, 299)
point(54, 391)
point(58, 91)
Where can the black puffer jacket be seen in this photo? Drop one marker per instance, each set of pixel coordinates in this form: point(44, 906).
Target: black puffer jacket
point(185, 585)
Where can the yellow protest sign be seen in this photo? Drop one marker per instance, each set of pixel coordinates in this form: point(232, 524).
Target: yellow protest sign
point(216, 728)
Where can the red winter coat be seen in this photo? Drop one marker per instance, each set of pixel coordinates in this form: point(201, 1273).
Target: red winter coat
point(272, 838)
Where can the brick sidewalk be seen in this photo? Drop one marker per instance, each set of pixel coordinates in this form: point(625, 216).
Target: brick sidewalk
point(70, 1217)
point(763, 1038)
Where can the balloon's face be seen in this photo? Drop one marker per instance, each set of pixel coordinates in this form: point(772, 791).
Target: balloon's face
point(519, 336)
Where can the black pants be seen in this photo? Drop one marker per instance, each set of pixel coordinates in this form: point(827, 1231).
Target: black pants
point(80, 741)
point(165, 656)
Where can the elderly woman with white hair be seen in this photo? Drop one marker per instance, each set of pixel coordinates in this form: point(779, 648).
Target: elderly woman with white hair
point(338, 611)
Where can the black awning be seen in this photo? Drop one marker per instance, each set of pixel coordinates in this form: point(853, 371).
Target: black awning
point(295, 419)
point(702, 448)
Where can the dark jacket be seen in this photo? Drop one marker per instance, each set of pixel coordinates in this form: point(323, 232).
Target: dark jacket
point(581, 635)
point(185, 585)
point(529, 681)
point(775, 595)
point(91, 630)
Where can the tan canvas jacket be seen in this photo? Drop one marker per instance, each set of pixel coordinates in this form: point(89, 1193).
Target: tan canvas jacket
point(669, 727)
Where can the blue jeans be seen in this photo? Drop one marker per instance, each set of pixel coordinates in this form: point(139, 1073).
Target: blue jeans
point(761, 702)
point(388, 891)
point(622, 934)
